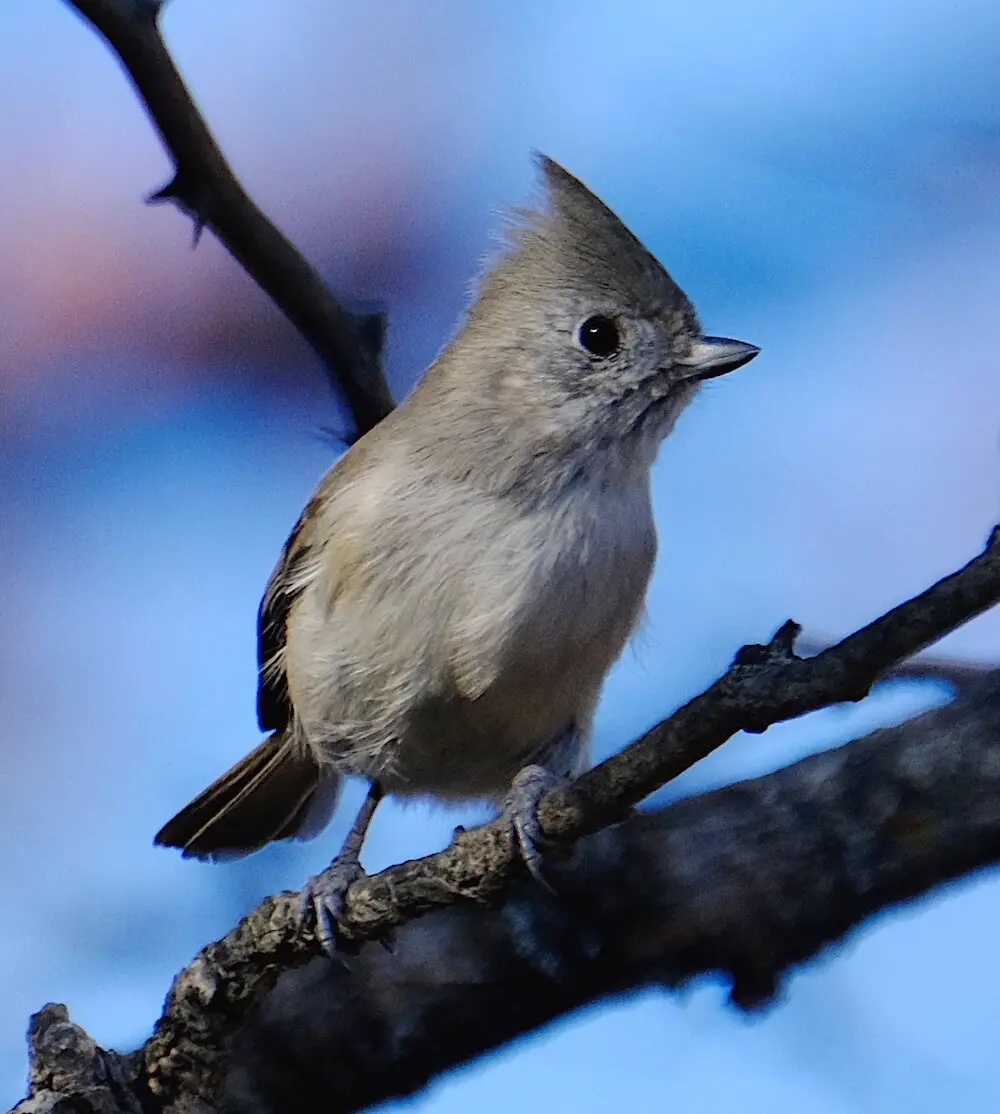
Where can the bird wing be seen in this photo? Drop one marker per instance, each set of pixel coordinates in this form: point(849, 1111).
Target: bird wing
point(274, 708)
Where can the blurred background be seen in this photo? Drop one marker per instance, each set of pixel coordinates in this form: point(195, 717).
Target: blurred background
point(823, 180)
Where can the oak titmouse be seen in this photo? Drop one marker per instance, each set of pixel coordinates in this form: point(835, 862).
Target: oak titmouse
point(447, 607)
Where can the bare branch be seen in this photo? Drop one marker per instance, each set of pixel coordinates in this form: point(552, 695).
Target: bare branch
point(765, 685)
point(748, 881)
point(958, 672)
point(205, 188)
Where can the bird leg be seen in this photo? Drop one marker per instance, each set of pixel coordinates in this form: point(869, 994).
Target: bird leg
point(324, 896)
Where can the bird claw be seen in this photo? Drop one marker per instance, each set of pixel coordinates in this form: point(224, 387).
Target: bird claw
point(323, 903)
point(520, 812)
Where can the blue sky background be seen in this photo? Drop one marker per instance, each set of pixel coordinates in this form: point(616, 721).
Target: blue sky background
point(823, 180)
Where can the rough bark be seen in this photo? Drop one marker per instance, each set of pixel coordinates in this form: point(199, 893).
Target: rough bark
point(748, 881)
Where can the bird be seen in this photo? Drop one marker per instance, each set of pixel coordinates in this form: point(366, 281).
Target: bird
point(444, 613)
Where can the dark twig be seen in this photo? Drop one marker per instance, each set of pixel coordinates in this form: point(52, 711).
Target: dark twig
point(958, 672)
point(205, 188)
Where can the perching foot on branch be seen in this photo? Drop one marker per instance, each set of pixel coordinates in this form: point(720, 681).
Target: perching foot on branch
point(324, 897)
point(520, 812)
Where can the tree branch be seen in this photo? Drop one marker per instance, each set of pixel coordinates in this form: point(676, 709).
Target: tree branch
point(748, 881)
point(958, 672)
point(184, 1060)
point(206, 189)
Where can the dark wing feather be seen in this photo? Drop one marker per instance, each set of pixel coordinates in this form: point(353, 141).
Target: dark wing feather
point(274, 708)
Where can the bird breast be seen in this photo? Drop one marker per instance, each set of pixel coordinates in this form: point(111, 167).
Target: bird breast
point(472, 634)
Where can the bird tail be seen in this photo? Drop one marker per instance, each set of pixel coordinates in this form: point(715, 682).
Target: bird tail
point(278, 791)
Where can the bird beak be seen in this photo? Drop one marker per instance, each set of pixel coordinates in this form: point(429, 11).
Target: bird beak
point(712, 356)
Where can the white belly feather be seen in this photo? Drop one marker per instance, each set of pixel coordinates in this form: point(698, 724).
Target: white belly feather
point(495, 634)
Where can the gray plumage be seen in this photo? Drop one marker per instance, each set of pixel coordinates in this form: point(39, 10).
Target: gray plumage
point(455, 592)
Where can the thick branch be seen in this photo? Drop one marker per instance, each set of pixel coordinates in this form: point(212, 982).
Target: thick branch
point(747, 881)
point(765, 685)
point(205, 187)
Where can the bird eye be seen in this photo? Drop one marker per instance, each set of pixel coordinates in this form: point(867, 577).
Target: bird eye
point(599, 335)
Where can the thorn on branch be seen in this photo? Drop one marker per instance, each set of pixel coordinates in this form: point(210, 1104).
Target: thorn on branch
point(192, 200)
point(781, 648)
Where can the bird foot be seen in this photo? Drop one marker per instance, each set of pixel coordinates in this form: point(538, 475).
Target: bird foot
point(520, 812)
point(323, 902)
